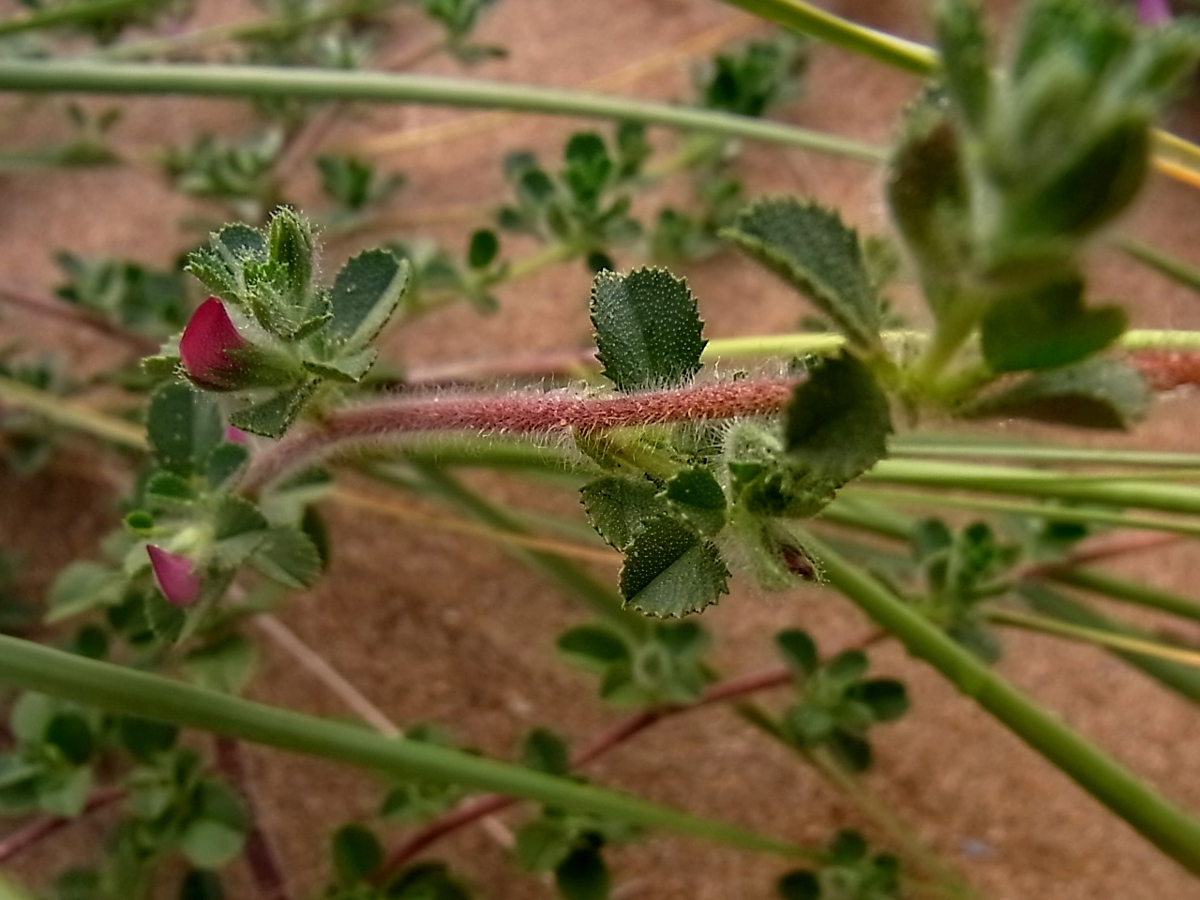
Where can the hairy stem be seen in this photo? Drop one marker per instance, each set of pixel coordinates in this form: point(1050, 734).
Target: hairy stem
point(514, 413)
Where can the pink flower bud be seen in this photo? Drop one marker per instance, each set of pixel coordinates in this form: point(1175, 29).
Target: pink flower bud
point(174, 576)
point(235, 435)
point(1154, 12)
point(204, 348)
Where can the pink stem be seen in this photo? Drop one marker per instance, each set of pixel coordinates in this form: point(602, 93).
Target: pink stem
point(260, 856)
point(516, 413)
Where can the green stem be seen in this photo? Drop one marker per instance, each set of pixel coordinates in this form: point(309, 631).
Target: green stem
point(877, 45)
point(1138, 594)
point(953, 446)
point(1156, 818)
point(1037, 510)
point(1096, 637)
point(67, 14)
point(72, 415)
point(325, 84)
point(1160, 261)
point(129, 692)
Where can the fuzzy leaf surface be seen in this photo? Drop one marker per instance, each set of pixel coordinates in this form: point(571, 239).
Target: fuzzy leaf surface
point(648, 331)
point(617, 506)
point(365, 293)
point(183, 426)
point(810, 247)
point(697, 494)
point(1096, 393)
point(670, 570)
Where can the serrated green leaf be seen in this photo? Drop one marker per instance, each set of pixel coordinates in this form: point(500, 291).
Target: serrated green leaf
point(811, 249)
point(289, 556)
point(225, 665)
point(617, 506)
point(837, 422)
point(583, 876)
point(219, 265)
point(671, 571)
point(183, 425)
point(273, 416)
point(236, 516)
point(647, 329)
point(1047, 328)
point(349, 368)
point(165, 619)
point(697, 494)
point(1096, 393)
point(290, 244)
point(223, 463)
point(357, 853)
point(365, 294)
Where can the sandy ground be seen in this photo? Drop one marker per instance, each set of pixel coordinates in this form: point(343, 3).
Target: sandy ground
point(435, 627)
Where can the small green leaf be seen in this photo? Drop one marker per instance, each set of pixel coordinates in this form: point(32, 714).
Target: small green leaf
point(225, 665)
point(810, 248)
point(238, 528)
point(273, 416)
point(427, 881)
point(73, 737)
point(84, 585)
point(357, 853)
point(290, 557)
point(799, 885)
point(290, 244)
point(483, 248)
point(349, 368)
point(808, 725)
point(145, 739)
point(799, 651)
point(887, 697)
point(648, 331)
point(65, 793)
point(201, 884)
point(183, 425)
point(210, 844)
point(224, 462)
point(545, 751)
point(583, 876)
point(1047, 328)
point(1096, 393)
point(966, 70)
point(592, 647)
point(588, 167)
point(837, 422)
point(219, 265)
point(617, 506)
point(671, 571)
point(847, 667)
point(365, 294)
point(542, 844)
point(697, 494)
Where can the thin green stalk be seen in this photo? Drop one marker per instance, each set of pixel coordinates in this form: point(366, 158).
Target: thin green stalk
point(971, 447)
point(328, 84)
point(1156, 818)
point(598, 597)
point(129, 692)
point(1160, 261)
point(1037, 510)
point(67, 14)
point(880, 46)
point(72, 415)
point(1096, 637)
point(1118, 492)
point(1112, 588)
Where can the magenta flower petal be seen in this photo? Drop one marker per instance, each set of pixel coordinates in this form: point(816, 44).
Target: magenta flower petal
point(204, 348)
point(174, 575)
point(235, 435)
point(1154, 12)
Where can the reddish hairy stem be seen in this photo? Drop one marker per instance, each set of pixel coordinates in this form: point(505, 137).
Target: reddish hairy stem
point(1167, 369)
point(516, 413)
point(1097, 550)
point(54, 308)
point(260, 857)
point(37, 830)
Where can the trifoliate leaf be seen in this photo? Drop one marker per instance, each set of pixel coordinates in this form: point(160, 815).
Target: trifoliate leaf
point(1096, 393)
point(837, 422)
point(617, 506)
point(183, 426)
point(220, 265)
point(697, 494)
point(365, 294)
point(1047, 328)
point(811, 249)
point(670, 570)
point(647, 329)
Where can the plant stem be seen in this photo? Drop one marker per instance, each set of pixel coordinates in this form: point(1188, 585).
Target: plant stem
point(25, 837)
point(125, 691)
point(916, 445)
point(322, 84)
point(260, 856)
point(67, 14)
point(59, 309)
point(1156, 818)
point(515, 413)
point(1160, 261)
point(1093, 636)
point(1139, 594)
point(477, 808)
point(72, 414)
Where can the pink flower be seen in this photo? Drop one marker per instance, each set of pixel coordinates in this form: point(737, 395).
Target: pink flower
point(235, 435)
point(1154, 12)
point(174, 576)
point(204, 348)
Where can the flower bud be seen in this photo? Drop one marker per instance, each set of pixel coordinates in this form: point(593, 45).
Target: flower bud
point(1154, 12)
point(174, 576)
point(205, 347)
